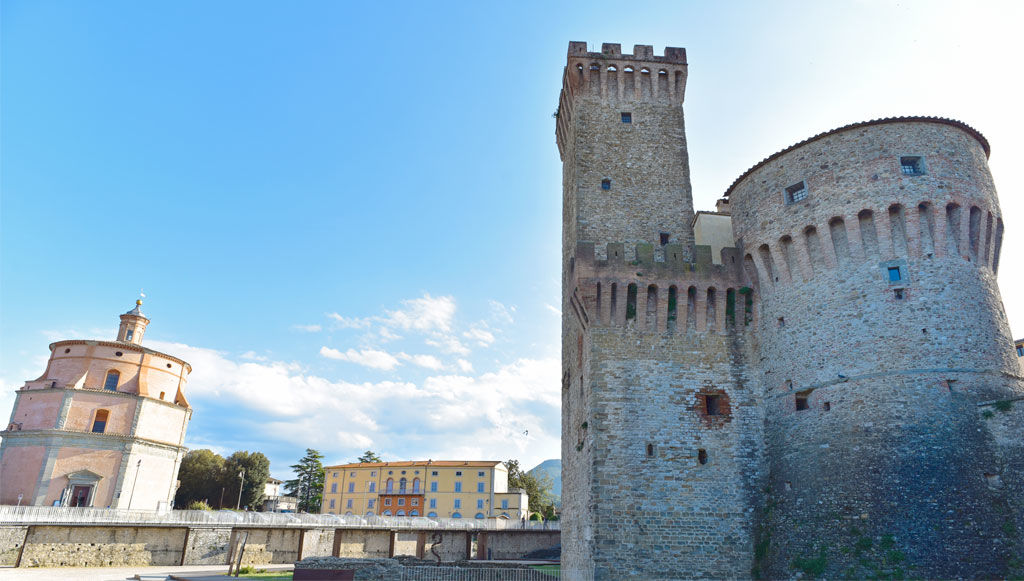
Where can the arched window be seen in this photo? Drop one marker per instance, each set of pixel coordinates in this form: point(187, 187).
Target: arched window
point(400, 513)
point(113, 377)
point(386, 513)
point(414, 513)
point(432, 514)
point(389, 487)
point(99, 424)
point(479, 515)
point(401, 486)
point(456, 515)
point(415, 485)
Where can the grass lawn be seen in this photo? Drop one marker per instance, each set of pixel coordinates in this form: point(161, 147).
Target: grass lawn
point(262, 575)
point(554, 570)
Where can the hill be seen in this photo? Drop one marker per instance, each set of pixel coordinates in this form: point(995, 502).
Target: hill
point(553, 470)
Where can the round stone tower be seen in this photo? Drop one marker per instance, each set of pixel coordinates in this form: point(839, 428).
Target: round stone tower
point(885, 354)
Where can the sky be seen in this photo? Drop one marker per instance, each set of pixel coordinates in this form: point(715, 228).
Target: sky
point(346, 216)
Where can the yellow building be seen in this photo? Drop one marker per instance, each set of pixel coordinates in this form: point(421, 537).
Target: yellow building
point(432, 488)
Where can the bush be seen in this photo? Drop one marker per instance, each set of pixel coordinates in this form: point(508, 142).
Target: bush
point(197, 505)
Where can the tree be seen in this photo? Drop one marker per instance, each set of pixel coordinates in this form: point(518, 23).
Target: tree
point(200, 474)
point(370, 457)
point(539, 489)
point(308, 485)
point(257, 470)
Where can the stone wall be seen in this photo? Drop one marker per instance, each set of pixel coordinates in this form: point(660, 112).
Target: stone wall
point(102, 546)
point(505, 546)
point(11, 538)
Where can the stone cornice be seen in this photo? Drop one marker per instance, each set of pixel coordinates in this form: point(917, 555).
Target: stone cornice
point(122, 345)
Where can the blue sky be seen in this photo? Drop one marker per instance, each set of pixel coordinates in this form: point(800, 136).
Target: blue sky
point(346, 216)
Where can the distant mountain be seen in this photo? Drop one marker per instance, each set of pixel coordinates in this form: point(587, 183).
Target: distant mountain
point(553, 470)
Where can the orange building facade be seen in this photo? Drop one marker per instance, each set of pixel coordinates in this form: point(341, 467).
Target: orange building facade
point(103, 426)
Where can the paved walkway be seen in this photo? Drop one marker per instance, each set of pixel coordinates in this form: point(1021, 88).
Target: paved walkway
point(191, 572)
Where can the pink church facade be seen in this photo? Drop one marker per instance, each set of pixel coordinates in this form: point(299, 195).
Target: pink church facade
point(103, 426)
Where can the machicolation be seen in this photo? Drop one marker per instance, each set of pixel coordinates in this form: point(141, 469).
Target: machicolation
point(809, 380)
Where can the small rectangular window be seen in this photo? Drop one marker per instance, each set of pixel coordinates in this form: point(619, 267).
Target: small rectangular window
point(481, 474)
point(911, 165)
point(802, 400)
point(369, 503)
point(712, 404)
point(897, 293)
point(332, 503)
point(479, 503)
point(504, 503)
point(129, 334)
point(373, 473)
point(458, 487)
point(458, 503)
point(348, 503)
point(894, 274)
point(664, 236)
point(434, 473)
point(796, 193)
point(479, 486)
point(334, 487)
point(433, 503)
point(627, 117)
point(401, 502)
point(458, 473)
point(1020, 350)
point(606, 184)
point(387, 502)
point(414, 501)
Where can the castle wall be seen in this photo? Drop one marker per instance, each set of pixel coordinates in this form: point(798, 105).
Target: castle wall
point(875, 389)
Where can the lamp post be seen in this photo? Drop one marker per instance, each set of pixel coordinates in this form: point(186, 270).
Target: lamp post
point(241, 475)
point(138, 467)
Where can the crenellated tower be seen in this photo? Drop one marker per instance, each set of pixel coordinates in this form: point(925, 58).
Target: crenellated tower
point(661, 437)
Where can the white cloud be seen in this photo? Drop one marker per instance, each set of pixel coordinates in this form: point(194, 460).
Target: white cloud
point(448, 344)
point(349, 322)
point(511, 412)
point(367, 357)
point(501, 313)
point(464, 366)
point(252, 356)
point(308, 328)
point(481, 336)
point(427, 361)
point(553, 309)
point(426, 313)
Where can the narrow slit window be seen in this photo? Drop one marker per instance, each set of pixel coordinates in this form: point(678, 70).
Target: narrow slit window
point(113, 377)
point(99, 425)
point(702, 456)
point(606, 184)
point(627, 117)
point(650, 450)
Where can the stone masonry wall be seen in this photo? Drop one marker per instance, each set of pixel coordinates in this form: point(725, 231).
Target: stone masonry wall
point(881, 459)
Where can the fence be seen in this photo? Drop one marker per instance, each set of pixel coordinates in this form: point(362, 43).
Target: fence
point(83, 515)
point(541, 573)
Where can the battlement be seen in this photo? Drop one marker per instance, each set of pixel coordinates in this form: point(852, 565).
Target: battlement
point(641, 52)
point(669, 263)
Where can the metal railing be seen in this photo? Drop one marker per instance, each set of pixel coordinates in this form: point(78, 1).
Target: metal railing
point(82, 515)
point(439, 573)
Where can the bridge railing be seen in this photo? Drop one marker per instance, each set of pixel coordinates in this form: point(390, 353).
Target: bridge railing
point(84, 515)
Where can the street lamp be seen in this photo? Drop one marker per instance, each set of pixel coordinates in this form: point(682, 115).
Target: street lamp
point(241, 474)
point(138, 467)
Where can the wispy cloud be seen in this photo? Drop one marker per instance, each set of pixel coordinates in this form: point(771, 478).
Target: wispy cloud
point(427, 314)
point(308, 328)
point(482, 337)
point(349, 322)
point(426, 361)
point(553, 309)
point(367, 357)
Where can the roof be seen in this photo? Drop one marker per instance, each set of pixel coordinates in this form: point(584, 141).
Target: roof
point(122, 345)
point(916, 119)
point(442, 463)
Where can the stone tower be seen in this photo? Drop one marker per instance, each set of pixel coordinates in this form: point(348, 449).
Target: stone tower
point(103, 426)
point(661, 437)
point(883, 349)
point(833, 393)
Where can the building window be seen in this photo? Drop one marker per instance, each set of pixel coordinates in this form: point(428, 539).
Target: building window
point(389, 486)
point(433, 473)
point(387, 513)
point(334, 487)
point(387, 502)
point(802, 400)
point(663, 238)
point(400, 513)
point(456, 515)
point(627, 117)
point(894, 274)
point(401, 502)
point(373, 473)
point(414, 513)
point(414, 501)
point(796, 192)
point(100, 423)
point(481, 474)
point(373, 486)
point(912, 165)
point(479, 486)
point(458, 487)
point(650, 450)
point(351, 474)
point(433, 503)
point(348, 503)
point(401, 485)
point(369, 503)
point(433, 487)
point(480, 503)
point(332, 503)
point(480, 515)
point(897, 293)
point(702, 456)
point(458, 473)
point(415, 485)
point(504, 503)
point(334, 475)
point(713, 404)
point(351, 486)
point(432, 515)
point(458, 503)
point(1020, 350)
point(129, 334)
point(113, 377)
point(606, 184)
